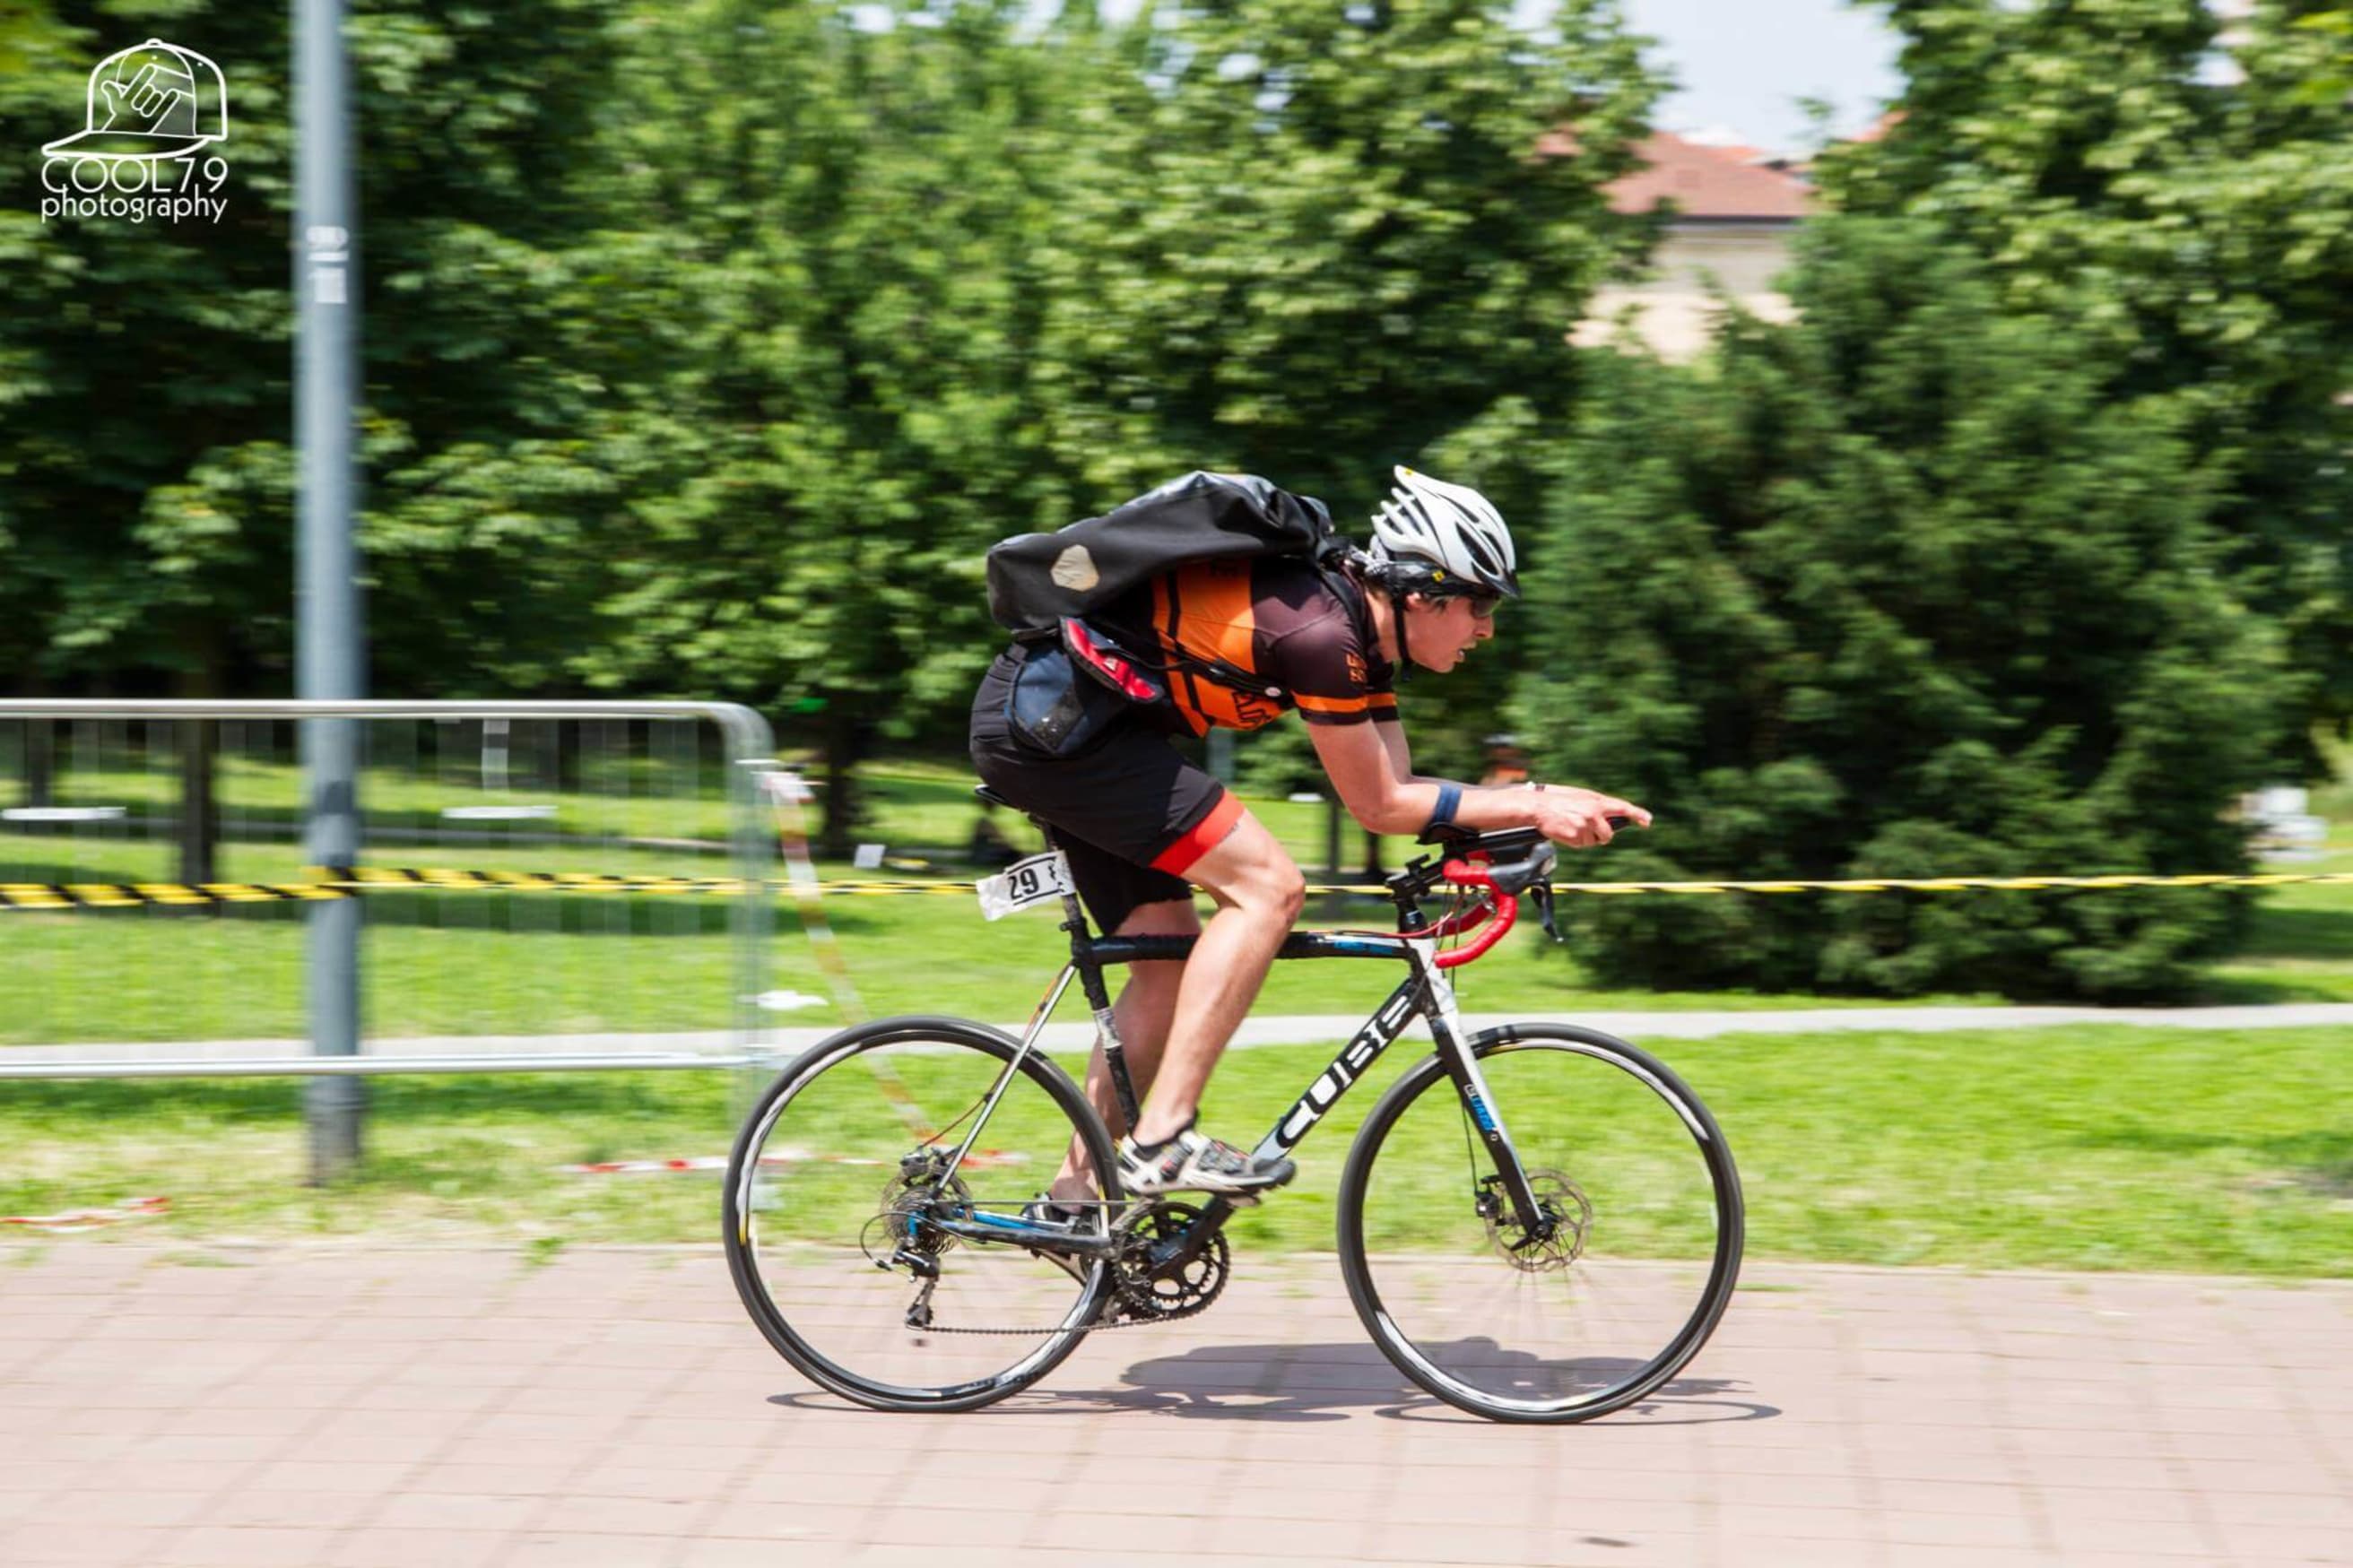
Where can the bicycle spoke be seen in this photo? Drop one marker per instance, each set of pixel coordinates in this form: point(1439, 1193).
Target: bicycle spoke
point(1606, 1306)
point(864, 1255)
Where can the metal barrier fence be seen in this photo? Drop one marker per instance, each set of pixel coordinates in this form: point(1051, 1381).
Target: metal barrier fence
point(213, 795)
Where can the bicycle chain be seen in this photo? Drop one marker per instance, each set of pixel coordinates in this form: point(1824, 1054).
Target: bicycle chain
point(1108, 1315)
point(1099, 1326)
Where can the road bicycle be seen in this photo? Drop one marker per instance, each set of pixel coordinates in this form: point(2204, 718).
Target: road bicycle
point(1537, 1221)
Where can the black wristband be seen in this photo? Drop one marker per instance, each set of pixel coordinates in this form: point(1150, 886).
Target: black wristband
point(1450, 797)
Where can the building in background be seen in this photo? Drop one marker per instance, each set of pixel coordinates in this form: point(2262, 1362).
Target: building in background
point(1733, 211)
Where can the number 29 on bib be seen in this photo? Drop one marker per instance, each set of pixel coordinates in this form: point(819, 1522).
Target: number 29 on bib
point(1042, 879)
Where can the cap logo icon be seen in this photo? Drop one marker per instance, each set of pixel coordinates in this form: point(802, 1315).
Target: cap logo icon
point(152, 113)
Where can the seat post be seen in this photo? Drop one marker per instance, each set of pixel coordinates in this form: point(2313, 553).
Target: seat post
point(1091, 977)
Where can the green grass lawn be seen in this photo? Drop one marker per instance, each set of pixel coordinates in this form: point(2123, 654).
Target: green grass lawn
point(2085, 1148)
point(906, 804)
point(677, 794)
point(2301, 947)
point(550, 964)
point(459, 963)
point(454, 963)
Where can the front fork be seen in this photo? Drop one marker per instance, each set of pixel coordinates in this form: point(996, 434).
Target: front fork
point(1454, 1050)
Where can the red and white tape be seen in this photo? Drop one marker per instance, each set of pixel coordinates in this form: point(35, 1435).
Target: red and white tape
point(980, 1159)
point(646, 1167)
point(88, 1219)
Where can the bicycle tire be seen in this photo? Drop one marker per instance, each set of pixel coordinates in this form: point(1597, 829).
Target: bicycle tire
point(742, 1237)
point(1653, 1370)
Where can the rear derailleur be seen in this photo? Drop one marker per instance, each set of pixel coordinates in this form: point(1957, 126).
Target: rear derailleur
point(924, 1182)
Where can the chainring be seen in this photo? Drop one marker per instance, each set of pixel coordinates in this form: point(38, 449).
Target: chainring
point(1571, 1213)
point(1179, 1291)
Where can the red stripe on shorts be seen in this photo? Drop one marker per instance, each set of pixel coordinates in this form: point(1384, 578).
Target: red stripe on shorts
point(1201, 837)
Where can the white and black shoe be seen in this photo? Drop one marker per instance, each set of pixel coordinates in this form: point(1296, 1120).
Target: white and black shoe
point(1193, 1162)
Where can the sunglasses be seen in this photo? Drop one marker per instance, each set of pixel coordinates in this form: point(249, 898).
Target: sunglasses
point(1483, 605)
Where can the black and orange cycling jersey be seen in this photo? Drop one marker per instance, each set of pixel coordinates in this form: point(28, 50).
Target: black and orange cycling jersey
point(1302, 638)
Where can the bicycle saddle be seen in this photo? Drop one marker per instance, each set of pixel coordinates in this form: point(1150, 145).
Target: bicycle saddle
point(991, 798)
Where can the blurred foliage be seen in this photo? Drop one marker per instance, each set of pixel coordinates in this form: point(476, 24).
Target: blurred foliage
point(2024, 548)
point(707, 346)
point(149, 507)
point(2178, 186)
point(1908, 588)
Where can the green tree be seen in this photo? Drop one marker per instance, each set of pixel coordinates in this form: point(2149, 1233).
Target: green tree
point(1312, 241)
point(832, 248)
point(149, 505)
point(2181, 188)
point(128, 355)
point(1903, 589)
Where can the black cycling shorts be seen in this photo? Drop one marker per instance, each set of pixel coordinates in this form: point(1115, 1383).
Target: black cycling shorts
point(1129, 813)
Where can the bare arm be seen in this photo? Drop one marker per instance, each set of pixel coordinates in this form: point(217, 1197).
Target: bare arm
point(1393, 741)
point(1371, 767)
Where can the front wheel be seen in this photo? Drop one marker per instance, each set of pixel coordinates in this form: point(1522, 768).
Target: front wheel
point(1620, 1284)
point(882, 1273)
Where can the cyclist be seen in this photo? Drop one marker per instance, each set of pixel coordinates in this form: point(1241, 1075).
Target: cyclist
point(1140, 825)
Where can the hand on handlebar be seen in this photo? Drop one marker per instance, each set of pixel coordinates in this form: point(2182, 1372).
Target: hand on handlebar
point(1583, 818)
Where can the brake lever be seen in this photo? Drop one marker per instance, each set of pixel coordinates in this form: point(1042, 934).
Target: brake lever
point(1541, 892)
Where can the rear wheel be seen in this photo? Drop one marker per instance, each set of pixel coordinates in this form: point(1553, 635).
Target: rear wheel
point(865, 1259)
point(1633, 1265)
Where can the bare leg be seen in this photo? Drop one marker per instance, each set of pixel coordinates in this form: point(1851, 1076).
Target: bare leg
point(1260, 892)
point(1146, 1004)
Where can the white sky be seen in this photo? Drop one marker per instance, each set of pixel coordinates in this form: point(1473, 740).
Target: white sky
point(1743, 65)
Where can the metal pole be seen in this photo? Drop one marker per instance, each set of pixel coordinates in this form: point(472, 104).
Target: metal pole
point(753, 916)
point(328, 630)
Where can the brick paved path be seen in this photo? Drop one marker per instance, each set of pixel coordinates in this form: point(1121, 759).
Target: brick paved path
point(331, 1407)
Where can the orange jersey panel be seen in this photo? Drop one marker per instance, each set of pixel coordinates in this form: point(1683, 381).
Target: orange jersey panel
point(1208, 611)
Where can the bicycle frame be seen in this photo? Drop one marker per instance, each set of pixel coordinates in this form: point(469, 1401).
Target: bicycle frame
point(1424, 992)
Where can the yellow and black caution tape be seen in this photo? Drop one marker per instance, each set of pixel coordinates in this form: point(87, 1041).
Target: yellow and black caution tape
point(167, 895)
point(1966, 884)
point(343, 882)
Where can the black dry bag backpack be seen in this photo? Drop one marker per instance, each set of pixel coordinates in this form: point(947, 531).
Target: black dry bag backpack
point(1041, 588)
point(1039, 580)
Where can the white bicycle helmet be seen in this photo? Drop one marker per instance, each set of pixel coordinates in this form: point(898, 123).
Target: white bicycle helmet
point(1449, 539)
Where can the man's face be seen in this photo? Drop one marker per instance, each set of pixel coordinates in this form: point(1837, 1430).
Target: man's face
point(1444, 631)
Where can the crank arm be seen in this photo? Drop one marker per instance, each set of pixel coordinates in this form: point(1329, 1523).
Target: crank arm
point(1168, 1257)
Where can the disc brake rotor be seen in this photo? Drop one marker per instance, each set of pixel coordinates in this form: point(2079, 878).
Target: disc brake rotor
point(1568, 1216)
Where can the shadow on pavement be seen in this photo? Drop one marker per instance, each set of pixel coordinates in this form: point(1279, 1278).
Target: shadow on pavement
point(1294, 1383)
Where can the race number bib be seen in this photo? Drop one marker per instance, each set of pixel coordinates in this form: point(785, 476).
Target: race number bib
point(1042, 879)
